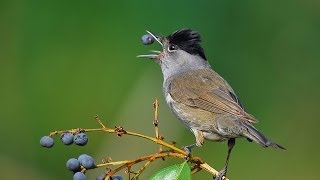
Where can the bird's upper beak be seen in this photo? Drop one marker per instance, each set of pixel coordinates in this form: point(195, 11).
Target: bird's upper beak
point(157, 53)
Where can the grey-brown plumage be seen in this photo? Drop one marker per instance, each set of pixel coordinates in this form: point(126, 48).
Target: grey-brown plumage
point(206, 103)
point(200, 97)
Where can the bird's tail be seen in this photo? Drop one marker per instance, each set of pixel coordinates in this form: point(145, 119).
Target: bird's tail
point(254, 135)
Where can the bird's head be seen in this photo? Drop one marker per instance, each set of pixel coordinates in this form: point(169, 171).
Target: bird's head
point(181, 51)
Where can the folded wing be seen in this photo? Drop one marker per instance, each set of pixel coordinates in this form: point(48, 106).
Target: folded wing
point(205, 89)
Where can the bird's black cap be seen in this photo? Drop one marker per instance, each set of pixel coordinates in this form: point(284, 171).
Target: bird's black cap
point(187, 40)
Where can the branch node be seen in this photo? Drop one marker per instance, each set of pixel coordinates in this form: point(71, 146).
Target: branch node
point(119, 131)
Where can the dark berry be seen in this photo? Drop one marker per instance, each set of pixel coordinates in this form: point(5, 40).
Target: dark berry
point(80, 139)
point(46, 141)
point(66, 138)
point(147, 39)
point(86, 161)
point(79, 176)
point(73, 164)
point(117, 177)
point(101, 177)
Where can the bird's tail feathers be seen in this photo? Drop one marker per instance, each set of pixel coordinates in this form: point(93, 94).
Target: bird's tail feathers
point(254, 135)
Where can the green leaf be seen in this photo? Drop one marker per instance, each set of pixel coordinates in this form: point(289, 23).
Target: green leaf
point(175, 172)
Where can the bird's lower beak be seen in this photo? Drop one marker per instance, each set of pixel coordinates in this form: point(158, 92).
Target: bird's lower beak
point(151, 56)
point(156, 54)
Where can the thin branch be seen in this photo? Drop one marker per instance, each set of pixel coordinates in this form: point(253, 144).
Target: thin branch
point(143, 158)
point(99, 121)
point(155, 121)
point(179, 153)
point(172, 152)
point(143, 168)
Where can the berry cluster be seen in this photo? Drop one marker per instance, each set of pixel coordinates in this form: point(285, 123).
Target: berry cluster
point(76, 166)
point(114, 177)
point(67, 138)
point(84, 161)
point(82, 176)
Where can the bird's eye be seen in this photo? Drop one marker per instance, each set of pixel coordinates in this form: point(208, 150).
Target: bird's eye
point(172, 48)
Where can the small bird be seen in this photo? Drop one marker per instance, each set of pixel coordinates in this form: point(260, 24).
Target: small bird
point(199, 97)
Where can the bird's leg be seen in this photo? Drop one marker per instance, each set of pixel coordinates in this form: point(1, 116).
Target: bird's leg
point(188, 149)
point(199, 141)
point(223, 172)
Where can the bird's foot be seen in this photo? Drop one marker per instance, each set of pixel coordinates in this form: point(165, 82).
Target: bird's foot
point(187, 149)
point(221, 173)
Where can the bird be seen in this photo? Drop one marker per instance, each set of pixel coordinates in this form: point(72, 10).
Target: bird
point(199, 97)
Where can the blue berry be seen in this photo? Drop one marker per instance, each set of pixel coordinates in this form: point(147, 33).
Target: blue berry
point(117, 177)
point(46, 141)
point(66, 138)
point(79, 176)
point(86, 161)
point(147, 39)
point(101, 177)
point(80, 139)
point(73, 164)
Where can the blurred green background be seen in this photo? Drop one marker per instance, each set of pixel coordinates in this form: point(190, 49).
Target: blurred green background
point(62, 62)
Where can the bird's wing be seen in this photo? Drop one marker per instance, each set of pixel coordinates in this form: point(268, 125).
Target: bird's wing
point(207, 90)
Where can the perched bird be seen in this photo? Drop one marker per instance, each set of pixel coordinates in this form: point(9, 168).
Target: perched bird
point(199, 97)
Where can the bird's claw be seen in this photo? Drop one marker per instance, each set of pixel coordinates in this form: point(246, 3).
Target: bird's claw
point(221, 173)
point(187, 149)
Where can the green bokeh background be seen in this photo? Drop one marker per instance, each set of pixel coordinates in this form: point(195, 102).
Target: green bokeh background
point(61, 62)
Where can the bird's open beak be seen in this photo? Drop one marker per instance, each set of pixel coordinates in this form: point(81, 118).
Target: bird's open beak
point(157, 53)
